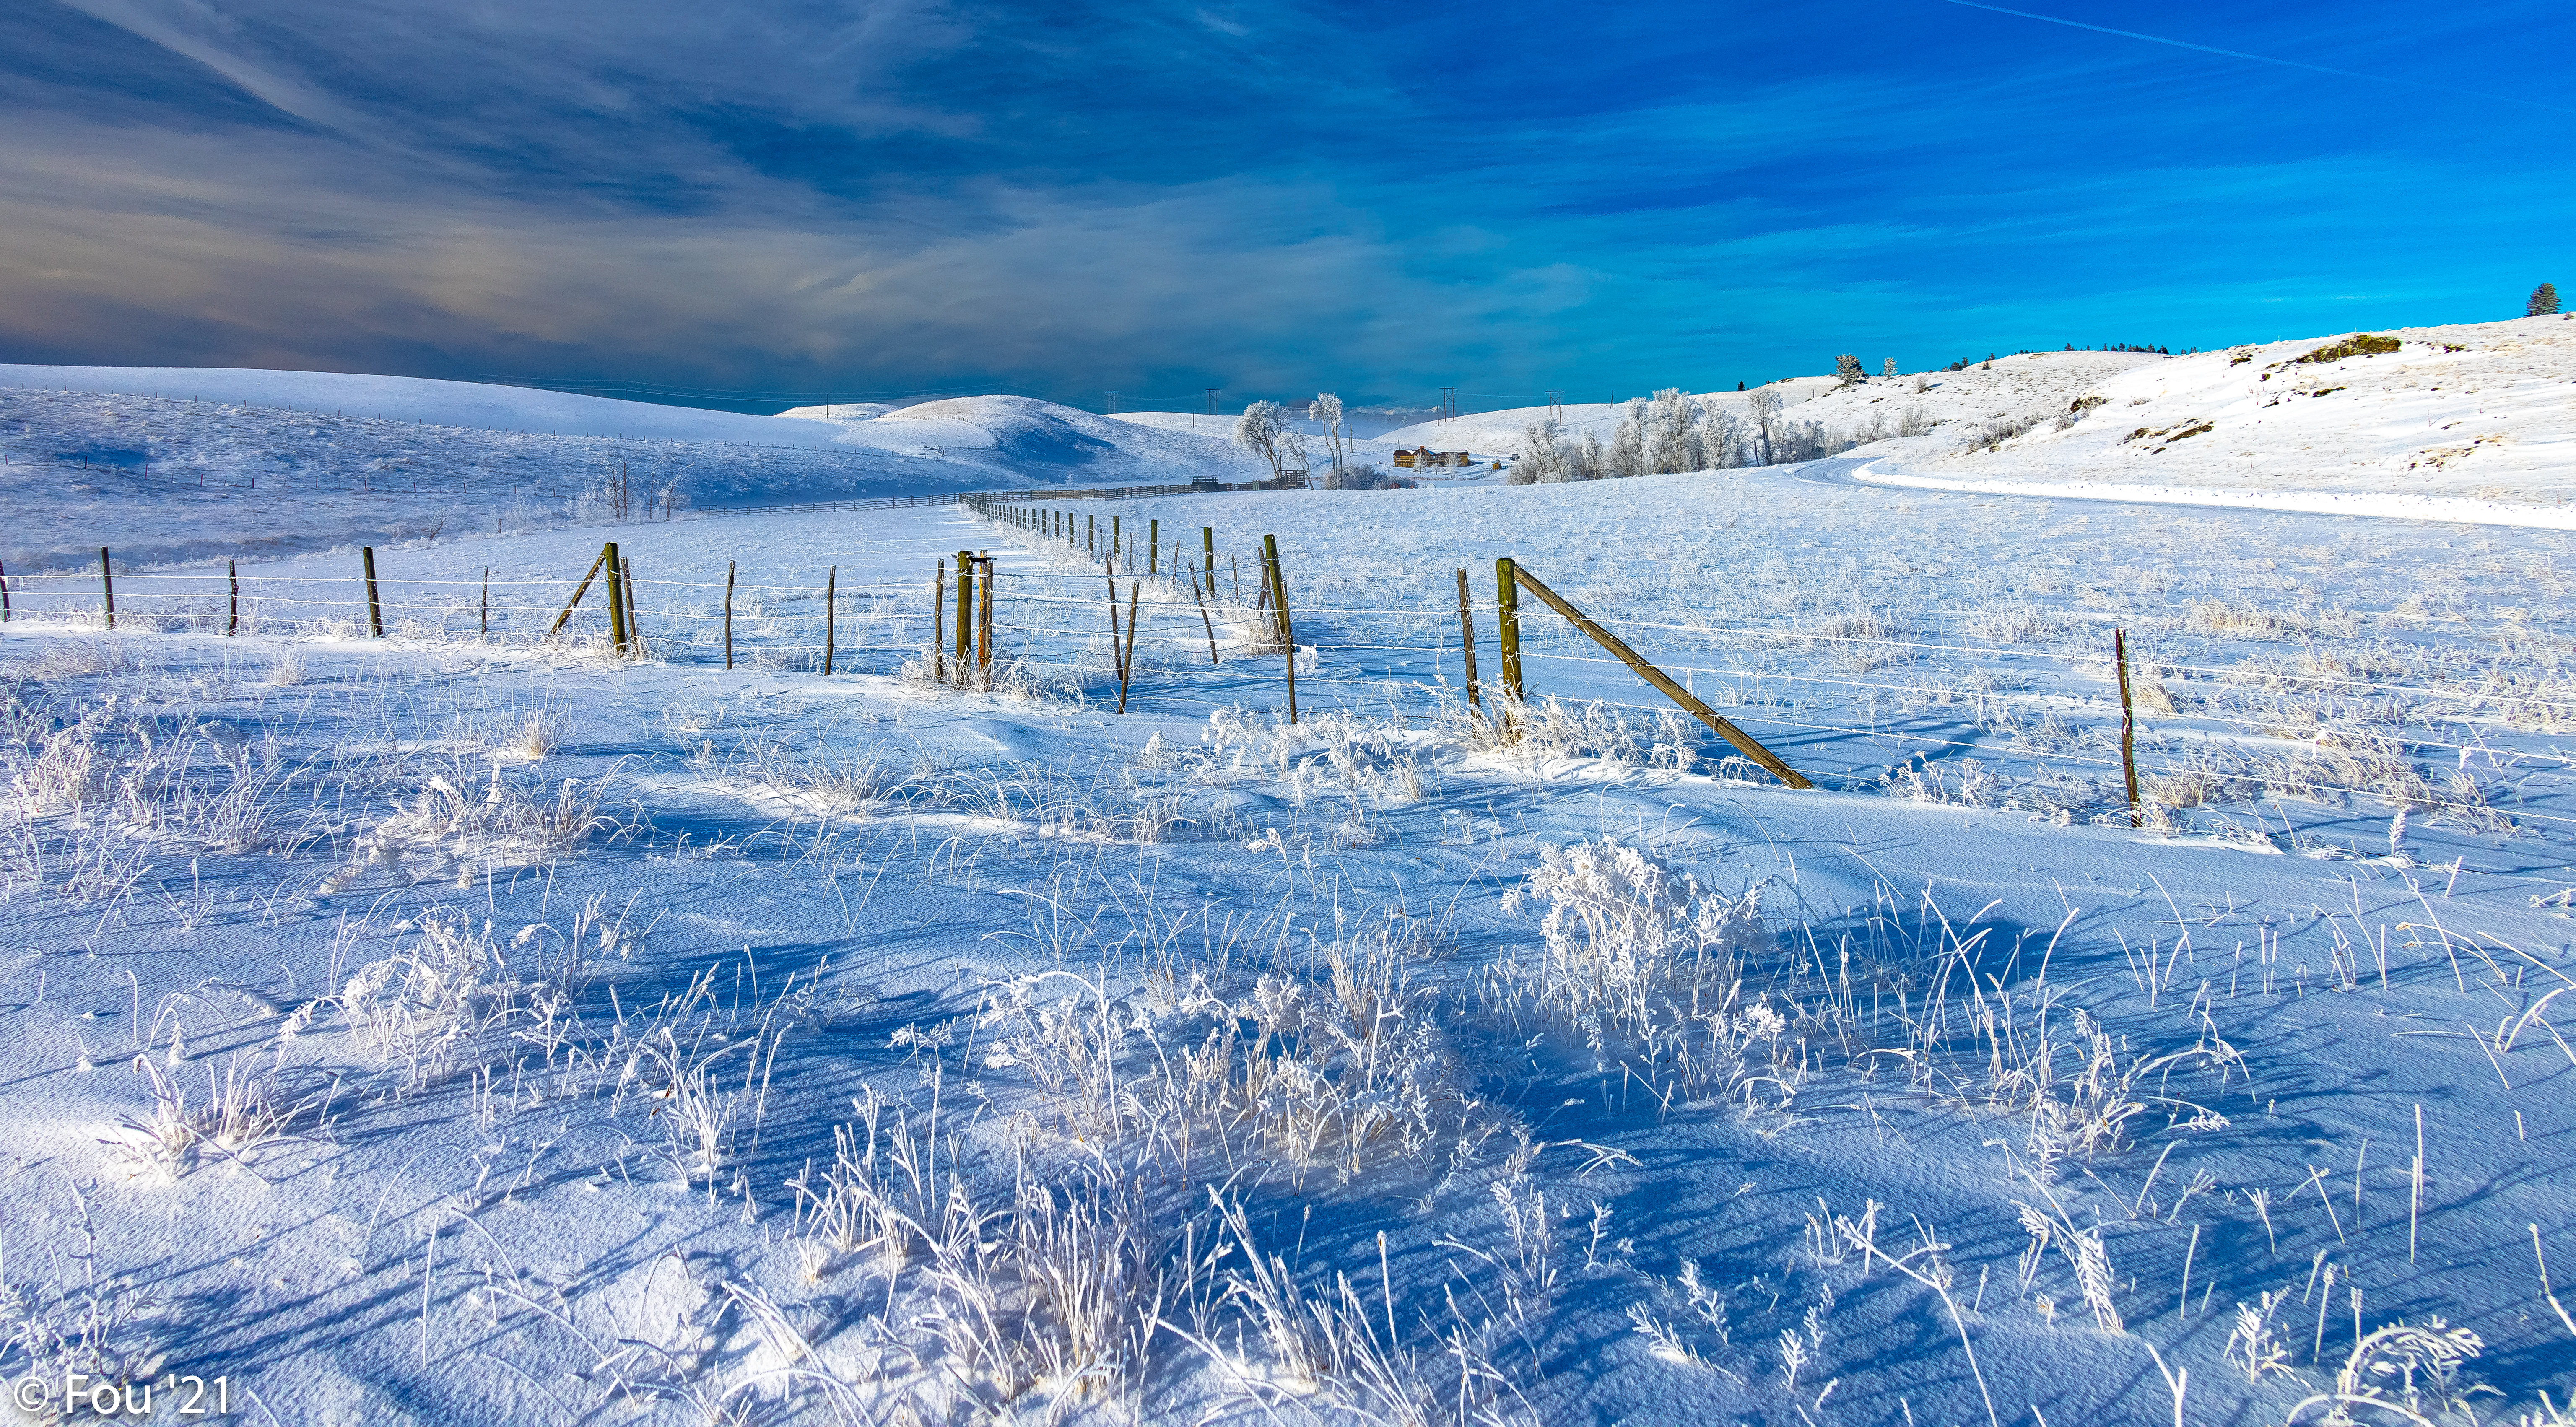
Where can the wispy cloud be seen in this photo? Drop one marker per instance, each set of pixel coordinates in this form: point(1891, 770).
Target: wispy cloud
point(921, 195)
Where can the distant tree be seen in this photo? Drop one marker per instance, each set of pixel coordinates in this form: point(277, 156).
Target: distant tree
point(1848, 367)
point(1888, 370)
point(1673, 438)
point(1259, 430)
point(1544, 457)
point(1627, 455)
point(2544, 301)
point(1591, 463)
point(1764, 407)
point(1327, 409)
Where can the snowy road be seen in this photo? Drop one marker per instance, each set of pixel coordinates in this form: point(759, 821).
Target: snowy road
point(1878, 472)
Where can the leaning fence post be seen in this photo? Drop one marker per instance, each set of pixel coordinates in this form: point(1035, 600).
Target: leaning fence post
point(1287, 629)
point(1126, 665)
point(1201, 597)
point(375, 611)
point(107, 586)
point(232, 575)
point(728, 615)
point(1467, 638)
point(616, 573)
point(1662, 681)
point(578, 591)
point(831, 598)
point(1117, 650)
point(634, 626)
point(1507, 618)
point(2128, 727)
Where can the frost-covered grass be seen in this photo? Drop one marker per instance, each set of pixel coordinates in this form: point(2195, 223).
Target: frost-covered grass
point(529, 1036)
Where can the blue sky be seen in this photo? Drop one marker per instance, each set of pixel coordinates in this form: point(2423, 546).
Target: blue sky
point(754, 203)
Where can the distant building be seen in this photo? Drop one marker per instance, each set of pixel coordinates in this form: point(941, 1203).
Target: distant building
point(1422, 456)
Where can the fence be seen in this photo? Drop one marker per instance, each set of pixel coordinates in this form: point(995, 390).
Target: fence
point(1082, 604)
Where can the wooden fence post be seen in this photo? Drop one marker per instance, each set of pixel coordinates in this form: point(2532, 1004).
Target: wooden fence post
point(1117, 650)
point(831, 602)
point(984, 614)
point(965, 610)
point(486, 624)
point(375, 611)
point(2128, 727)
point(1287, 629)
point(1507, 620)
point(1207, 556)
point(939, 620)
point(616, 569)
point(1117, 541)
point(1197, 594)
point(1153, 546)
point(634, 626)
point(1467, 639)
point(1126, 665)
point(107, 586)
point(578, 591)
point(232, 575)
point(4, 593)
point(1091, 535)
point(728, 615)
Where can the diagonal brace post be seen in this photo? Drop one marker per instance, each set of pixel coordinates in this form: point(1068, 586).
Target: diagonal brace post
point(1744, 742)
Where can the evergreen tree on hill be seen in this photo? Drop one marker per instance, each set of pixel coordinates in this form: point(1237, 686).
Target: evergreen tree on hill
point(2544, 301)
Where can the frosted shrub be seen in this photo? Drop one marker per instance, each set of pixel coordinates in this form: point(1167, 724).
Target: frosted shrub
point(1339, 1070)
point(460, 827)
point(1631, 946)
point(418, 1008)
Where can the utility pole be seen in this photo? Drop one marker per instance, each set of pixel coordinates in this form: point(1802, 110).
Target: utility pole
point(1113, 403)
point(1556, 405)
point(1448, 403)
point(1211, 398)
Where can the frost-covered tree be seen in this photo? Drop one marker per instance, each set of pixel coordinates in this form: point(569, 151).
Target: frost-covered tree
point(1673, 441)
point(1591, 463)
point(1725, 442)
point(2544, 301)
point(1544, 456)
point(1848, 368)
point(1259, 430)
point(1327, 409)
point(1627, 456)
point(1888, 370)
point(1763, 405)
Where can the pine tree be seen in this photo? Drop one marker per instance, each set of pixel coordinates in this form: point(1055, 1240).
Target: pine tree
point(1850, 370)
point(2544, 301)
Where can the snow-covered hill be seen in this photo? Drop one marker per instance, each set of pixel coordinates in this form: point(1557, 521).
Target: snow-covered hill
point(2484, 410)
point(173, 464)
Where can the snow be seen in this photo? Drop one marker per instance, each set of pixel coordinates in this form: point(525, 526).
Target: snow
point(562, 970)
point(2477, 412)
point(263, 463)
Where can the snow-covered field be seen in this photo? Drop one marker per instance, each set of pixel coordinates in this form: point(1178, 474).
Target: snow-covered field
point(471, 1028)
point(166, 465)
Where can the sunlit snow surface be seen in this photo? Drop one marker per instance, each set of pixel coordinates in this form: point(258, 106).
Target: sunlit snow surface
point(560, 973)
